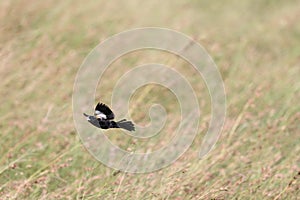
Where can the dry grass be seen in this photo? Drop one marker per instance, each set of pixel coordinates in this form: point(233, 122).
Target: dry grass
point(256, 45)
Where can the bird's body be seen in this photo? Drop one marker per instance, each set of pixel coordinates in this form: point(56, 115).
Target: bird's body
point(103, 118)
point(105, 124)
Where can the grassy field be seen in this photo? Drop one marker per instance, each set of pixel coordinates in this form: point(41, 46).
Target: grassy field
point(256, 45)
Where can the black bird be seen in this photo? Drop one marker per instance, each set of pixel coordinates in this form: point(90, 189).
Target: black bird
point(103, 118)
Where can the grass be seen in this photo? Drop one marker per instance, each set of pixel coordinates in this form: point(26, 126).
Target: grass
point(256, 46)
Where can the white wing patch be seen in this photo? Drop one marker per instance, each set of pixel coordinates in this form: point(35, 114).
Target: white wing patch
point(100, 115)
point(97, 112)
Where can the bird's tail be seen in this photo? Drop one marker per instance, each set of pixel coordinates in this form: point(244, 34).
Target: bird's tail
point(124, 124)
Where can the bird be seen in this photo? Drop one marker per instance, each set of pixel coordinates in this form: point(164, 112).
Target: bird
point(104, 118)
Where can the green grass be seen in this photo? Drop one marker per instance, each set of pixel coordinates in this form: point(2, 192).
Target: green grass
point(256, 46)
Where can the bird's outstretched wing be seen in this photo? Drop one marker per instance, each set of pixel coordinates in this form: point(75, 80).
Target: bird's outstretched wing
point(104, 109)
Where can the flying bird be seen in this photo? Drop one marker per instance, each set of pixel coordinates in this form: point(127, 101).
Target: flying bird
point(103, 118)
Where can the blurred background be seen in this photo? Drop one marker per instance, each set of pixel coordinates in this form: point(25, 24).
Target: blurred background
point(255, 44)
